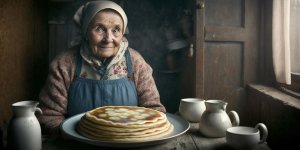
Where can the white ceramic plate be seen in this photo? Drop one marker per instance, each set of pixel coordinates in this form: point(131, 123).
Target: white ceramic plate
point(68, 128)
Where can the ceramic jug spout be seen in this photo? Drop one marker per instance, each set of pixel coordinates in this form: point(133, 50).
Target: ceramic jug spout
point(224, 105)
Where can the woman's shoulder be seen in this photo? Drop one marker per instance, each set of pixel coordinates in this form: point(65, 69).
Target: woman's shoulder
point(138, 62)
point(66, 57)
point(135, 55)
point(68, 53)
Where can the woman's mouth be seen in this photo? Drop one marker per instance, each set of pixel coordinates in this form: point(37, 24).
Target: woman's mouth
point(105, 47)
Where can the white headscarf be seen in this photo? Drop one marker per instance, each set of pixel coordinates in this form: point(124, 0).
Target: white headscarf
point(85, 13)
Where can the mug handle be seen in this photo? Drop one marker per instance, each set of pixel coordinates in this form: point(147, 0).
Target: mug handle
point(39, 110)
point(262, 127)
point(234, 117)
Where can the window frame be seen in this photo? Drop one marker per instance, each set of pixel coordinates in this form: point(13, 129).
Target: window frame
point(294, 88)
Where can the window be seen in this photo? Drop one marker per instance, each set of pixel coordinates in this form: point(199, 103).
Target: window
point(290, 27)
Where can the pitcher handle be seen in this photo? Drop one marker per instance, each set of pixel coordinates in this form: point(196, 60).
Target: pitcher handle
point(37, 109)
point(262, 127)
point(234, 117)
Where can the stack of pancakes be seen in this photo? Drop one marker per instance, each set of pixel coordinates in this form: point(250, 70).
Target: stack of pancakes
point(124, 124)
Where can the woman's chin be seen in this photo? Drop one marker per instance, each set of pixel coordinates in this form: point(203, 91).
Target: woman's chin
point(105, 55)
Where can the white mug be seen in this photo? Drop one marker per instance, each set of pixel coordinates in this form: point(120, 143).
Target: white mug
point(192, 109)
point(246, 138)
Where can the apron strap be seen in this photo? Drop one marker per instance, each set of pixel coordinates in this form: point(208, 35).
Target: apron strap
point(129, 65)
point(78, 64)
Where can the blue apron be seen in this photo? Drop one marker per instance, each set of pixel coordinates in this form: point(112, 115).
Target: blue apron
point(87, 94)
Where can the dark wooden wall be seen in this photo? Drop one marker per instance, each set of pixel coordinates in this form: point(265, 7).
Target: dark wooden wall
point(265, 67)
point(278, 111)
point(23, 52)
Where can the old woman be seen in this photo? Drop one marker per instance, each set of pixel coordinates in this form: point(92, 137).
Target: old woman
point(102, 70)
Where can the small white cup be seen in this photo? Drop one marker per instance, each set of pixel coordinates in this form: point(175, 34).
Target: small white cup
point(246, 138)
point(192, 109)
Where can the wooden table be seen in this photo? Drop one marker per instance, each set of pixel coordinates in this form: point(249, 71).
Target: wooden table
point(191, 140)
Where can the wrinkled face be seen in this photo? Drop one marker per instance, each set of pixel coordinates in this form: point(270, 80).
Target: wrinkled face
point(105, 33)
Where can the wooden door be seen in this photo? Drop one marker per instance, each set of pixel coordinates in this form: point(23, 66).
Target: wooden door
point(226, 50)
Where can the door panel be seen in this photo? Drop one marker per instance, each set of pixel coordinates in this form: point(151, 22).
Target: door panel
point(226, 49)
point(223, 61)
point(224, 12)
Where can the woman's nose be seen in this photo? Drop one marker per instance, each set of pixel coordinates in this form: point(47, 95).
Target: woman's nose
point(108, 37)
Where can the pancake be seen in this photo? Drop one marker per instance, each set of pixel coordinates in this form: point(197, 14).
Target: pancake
point(131, 139)
point(103, 129)
point(129, 116)
point(124, 124)
point(122, 132)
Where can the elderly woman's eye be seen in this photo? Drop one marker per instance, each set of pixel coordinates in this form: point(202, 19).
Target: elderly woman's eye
point(116, 30)
point(99, 29)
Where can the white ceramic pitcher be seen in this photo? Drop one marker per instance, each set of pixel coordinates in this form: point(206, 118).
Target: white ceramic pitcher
point(24, 130)
point(215, 121)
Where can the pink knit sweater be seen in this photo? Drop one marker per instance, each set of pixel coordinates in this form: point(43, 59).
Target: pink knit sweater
point(54, 95)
